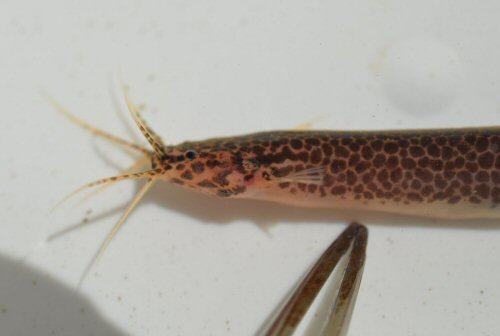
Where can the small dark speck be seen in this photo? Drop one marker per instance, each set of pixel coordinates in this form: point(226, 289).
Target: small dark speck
point(223, 193)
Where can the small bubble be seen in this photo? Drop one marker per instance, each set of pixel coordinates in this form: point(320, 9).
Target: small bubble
point(421, 75)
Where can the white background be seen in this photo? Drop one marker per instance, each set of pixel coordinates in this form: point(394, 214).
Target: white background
point(187, 264)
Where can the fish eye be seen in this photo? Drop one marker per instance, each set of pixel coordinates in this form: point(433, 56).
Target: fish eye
point(190, 154)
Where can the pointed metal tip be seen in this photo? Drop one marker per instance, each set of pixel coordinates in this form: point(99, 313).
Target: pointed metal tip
point(330, 289)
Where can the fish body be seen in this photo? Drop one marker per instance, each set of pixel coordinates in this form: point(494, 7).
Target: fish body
point(438, 173)
point(451, 173)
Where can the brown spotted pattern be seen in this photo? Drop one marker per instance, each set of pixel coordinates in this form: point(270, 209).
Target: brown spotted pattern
point(449, 166)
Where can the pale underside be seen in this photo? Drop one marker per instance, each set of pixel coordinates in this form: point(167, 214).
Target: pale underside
point(436, 209)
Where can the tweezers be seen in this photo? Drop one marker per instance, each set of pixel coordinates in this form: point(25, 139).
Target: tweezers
point(336, 277)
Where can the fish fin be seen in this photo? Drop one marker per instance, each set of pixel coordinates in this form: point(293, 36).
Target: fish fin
point(313, 175)
point(307, 125)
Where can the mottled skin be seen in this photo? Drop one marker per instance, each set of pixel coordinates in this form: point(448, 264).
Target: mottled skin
point(451, 173)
